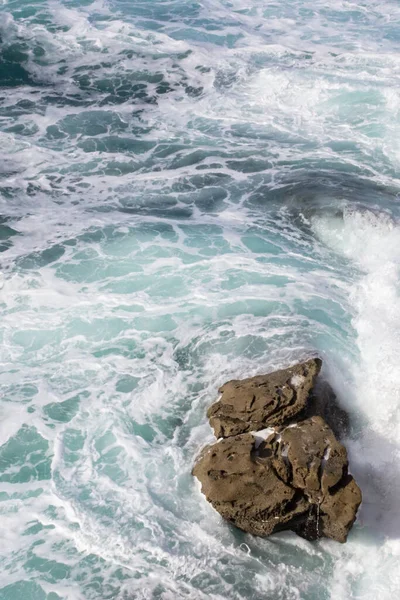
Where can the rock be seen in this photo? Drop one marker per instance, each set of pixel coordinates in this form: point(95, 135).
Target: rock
point(245, 491)
point(279, 464)
point(258, 402)
point(294, 477)
point(323, 402)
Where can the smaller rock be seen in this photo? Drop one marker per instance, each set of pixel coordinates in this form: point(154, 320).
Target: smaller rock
point(262, 401)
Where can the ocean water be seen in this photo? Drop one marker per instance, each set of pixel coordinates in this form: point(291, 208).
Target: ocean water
point(190, 192)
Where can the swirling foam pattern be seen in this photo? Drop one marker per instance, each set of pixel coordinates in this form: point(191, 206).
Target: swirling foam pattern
point(190, 192)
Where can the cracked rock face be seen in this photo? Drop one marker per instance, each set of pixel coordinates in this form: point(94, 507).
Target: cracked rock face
point(266, 400)
point(293, 477)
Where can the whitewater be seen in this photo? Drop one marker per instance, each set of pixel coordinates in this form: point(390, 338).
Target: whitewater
point(191, 192)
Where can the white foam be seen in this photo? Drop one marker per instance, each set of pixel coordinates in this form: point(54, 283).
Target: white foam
point(371, 240)
point(261, 435)
point(297, 380)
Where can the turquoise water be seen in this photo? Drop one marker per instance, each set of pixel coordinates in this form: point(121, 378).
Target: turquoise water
point(190, 192)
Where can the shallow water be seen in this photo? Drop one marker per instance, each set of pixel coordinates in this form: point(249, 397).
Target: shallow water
point(190, 192)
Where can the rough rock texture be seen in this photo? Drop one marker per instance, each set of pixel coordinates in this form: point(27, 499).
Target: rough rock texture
point(258, 402)
point(294, 477)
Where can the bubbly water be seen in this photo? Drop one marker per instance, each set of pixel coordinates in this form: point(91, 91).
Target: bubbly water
point(190, 192)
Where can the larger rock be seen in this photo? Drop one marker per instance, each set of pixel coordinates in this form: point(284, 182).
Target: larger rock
point(258, 402)
point(296, 478)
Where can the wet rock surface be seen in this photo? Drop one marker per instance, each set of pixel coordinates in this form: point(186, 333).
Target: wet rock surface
point(292, 476)
point(323, 402)
point(258, 402)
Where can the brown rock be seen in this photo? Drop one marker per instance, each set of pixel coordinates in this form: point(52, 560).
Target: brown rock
point(297, 478)
point(242, 489)
point(262, 401)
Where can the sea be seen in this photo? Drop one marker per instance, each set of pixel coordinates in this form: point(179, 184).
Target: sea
point(190, 192)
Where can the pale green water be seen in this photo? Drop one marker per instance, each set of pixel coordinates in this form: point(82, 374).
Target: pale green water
point(190, 192)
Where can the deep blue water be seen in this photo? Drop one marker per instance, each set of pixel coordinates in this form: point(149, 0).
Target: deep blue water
point(190, 192)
